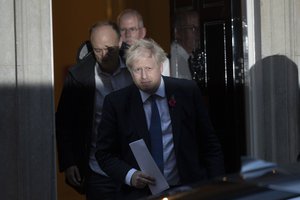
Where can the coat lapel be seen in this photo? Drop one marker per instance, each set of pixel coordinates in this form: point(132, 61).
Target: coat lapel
point(84, 72)
point(175, 103)
point(138, 116)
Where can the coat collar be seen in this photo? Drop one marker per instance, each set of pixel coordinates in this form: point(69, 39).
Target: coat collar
point(84, 71)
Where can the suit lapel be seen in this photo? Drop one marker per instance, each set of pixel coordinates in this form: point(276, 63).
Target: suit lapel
point(174, 103)
point(138, 115)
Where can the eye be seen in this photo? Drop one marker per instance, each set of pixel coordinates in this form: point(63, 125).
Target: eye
point(103, 50)
point(133, 29)
point(97, 50)
point(137, 70)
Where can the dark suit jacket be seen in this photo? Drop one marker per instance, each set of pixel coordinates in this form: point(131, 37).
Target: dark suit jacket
point(74, 116)
point(198, 152)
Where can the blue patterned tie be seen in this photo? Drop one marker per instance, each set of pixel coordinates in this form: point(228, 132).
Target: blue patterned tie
point(156, 135)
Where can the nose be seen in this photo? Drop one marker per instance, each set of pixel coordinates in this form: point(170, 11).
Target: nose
point(103, 53)
point(144, 74)
point(127, 33)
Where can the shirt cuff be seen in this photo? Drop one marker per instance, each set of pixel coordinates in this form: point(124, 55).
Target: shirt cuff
point(129, 175)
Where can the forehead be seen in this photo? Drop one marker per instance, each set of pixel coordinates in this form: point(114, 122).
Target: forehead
point(128, 20)
point(144, 60)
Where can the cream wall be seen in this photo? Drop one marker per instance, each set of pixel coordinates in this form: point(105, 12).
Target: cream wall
point(27, 141)
point(272, 79)
point(280, 28)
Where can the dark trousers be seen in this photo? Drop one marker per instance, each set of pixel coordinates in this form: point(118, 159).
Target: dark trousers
point(99, 187)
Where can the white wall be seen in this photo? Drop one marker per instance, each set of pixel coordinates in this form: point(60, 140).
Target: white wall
point(27, 108)
point(272, 79)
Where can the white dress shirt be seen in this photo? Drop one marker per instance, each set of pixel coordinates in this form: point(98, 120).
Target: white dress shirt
point(105, 84)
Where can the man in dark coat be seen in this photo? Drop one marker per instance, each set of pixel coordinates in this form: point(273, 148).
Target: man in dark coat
point(190, 150)
point(80, 108)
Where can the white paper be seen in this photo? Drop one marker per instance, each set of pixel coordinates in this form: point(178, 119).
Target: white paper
point(148, 165)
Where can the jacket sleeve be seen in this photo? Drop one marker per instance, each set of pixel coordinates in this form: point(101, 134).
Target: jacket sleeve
point(65, 120)
point(109, 143)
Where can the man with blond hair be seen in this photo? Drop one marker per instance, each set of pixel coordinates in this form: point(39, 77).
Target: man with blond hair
point(169, 115)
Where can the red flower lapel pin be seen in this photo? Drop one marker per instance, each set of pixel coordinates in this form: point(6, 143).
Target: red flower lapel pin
point(172, 101)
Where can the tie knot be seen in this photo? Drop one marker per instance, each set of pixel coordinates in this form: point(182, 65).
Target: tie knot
point(153, 97)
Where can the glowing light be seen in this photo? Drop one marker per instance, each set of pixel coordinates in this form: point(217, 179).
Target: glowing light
point(224, 179)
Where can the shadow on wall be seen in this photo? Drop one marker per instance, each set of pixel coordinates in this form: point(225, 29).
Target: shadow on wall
point(27, 142)
point(275, 109)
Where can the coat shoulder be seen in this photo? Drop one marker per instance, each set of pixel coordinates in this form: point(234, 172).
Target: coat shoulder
point(180, 83)
point(122, 93)
point(83, 68)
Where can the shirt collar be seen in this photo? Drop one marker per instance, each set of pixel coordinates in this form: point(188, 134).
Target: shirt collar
point(122, 63)
point(159, 92)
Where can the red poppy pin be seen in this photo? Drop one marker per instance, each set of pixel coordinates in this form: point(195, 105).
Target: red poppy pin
point(172, 101)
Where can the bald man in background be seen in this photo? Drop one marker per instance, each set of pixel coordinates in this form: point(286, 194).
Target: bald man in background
point(80, 111)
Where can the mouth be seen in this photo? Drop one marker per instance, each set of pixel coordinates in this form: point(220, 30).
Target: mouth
point(145, 82)
point(129, 41)
point(145, 85)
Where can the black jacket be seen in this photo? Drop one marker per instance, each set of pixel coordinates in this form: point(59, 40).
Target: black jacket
point(197, 149)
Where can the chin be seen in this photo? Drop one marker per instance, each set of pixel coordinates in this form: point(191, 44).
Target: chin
point(129, 42)
point(148, 90)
